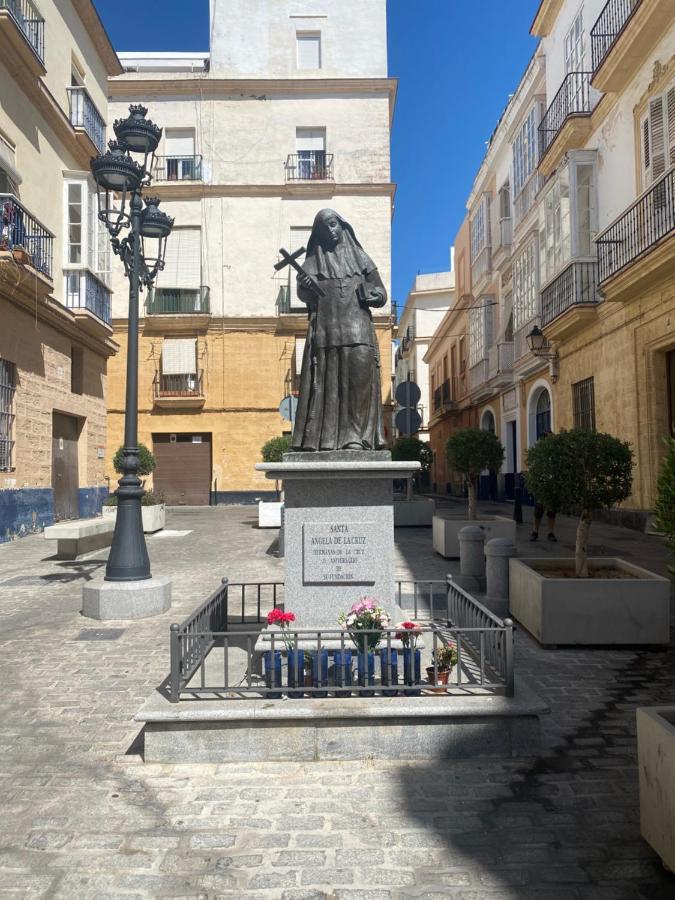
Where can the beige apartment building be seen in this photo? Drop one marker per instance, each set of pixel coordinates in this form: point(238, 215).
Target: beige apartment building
point(289, 112)
point(56, 334)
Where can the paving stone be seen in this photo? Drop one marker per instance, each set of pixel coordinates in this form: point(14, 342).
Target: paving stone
point(291, 858)
point(327, 876)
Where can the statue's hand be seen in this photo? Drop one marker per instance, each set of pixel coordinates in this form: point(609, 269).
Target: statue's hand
point(306, 282)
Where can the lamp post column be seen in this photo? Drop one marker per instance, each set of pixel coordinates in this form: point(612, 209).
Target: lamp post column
point(128, 560)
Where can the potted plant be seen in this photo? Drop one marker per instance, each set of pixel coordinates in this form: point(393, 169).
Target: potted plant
point(408, 634)
point(269, 512)
point(153, 510)
point(413, 510)
point(656, 765)
point(443, 661)
point(584, 600)
point(469, 452)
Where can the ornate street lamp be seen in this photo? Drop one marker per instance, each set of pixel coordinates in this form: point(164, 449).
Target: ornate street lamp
point(541, 348)
point(120, 181)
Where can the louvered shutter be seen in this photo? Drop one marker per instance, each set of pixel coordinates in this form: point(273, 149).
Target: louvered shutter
point(657, 139)
point(182, 268)
point(179, 356)
point(670, 105)
point(310, 139)
point(179, 142)
point(309, 51)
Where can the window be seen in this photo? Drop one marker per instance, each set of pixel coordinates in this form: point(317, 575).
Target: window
point(7, 391)
point(310, 144)
point(479, 228)
point(308, 49)
point(179, 365)
point(524, 286)
point(505, 201)
point(657, 131)
point(9, 177)
point(183, 260)
point(76, 370)
point(525, 152)
point(554, 228)
point(542, 414)
point(75, 202)
point(480, 321)
point(574, 45)
point(179, 147)
point(583, 404)
point(87, 243)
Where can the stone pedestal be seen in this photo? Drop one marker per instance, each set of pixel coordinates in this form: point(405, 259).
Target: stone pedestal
point(126, 599)
point(338, 531)
point(498, 551)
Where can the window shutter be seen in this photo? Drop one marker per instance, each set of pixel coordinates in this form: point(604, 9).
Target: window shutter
point(309, 51)
point(310, 139)
point(646, 155)
point(179, 142)
point(657, 138)
point(670, 103)
point(179, 356)
point(182, 267)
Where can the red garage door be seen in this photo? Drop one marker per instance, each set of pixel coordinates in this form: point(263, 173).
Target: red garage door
point(183, 472)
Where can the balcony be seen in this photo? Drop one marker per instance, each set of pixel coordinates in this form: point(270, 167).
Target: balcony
point(638, 246)
point(446, 395)
point(309, 165)
point(178, 391)
point(525, 199)
point(481, 267)
point(566, 123)
point(87, 120)
point(164, 301)
point(622, 38)
point(408, 338)
point(90, 300)
point(500, 363)
point(502, 235)
point(570, 300)
point(479, 378)
point(25, 237)
point(177, 168)
point(284, 303)
point(22, 36)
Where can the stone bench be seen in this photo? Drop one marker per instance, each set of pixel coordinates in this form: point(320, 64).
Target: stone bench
point(80, 536)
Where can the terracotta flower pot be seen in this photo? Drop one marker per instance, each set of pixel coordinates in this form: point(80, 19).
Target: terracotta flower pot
point(442, 675)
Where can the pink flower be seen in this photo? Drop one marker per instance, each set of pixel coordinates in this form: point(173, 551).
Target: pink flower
point(280, 618)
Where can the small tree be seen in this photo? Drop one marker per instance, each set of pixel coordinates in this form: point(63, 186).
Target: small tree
point(146, 461)
point(274, 449)
point(665, 501)
point(413, 450)
point(469, 451)
point(578, 472)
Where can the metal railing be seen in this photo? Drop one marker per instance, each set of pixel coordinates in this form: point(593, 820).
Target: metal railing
point(178, 385)
point(609, 25)
point(500, 358)
point(650, 219)
point(310, 165)
point(28, 18)
point(178, 301)
point(572, 99)
point(19, 230)
point(85, 291)
point(83, 114)
point(178, 168)
point(576, 284)
point(446, 395)
point(297, 664)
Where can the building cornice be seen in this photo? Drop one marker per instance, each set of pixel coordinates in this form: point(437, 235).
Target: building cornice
point(545, 17)
point(99, 36)
point(197, 85)
point(196, 190)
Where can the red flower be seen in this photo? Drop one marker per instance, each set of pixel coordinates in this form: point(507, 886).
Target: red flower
point(279, 617)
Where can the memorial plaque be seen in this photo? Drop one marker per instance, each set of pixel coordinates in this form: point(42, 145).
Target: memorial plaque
point(338, 553)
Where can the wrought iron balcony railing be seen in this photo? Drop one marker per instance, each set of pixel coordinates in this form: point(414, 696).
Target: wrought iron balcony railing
point(650, 219)
point(447, 394)
point(573, 99)
point(83, 114)
point(177, 168)
point(164, 301)
point(609, 25)
point(19, 230)
point(576, 284)
point(28, 18)
point(84, 290)
point(309, 165)
point(188, 385)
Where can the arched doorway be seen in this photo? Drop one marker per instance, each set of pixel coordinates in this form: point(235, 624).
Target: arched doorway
point(488, 486)
point(542, 415)
point(488, 421)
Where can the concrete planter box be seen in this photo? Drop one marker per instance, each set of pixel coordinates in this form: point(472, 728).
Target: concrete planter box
point(269, 514)
point(656, 764)
point(446, 532)
point(154, 517)
point(590, 610)
point(416, 512)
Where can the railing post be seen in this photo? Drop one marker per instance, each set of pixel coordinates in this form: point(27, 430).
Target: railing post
point(508, 657)
point(224, 606)
point(174, 678)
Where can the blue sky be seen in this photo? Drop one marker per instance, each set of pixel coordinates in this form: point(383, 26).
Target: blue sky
point(456, 60)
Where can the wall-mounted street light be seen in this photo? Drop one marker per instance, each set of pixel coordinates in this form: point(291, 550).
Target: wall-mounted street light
point(540, 347)
point(120, 180)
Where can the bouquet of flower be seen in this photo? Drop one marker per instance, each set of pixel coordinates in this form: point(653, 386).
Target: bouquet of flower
point(365, 615)
point(283, 620)
point(408, 634)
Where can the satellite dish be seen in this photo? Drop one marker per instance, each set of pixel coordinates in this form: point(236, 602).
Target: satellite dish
point(288, 408)
point(408, 420)
point(408, 393)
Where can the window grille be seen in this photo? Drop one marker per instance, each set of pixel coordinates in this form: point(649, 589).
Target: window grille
point(583, 403)
point(7, 391)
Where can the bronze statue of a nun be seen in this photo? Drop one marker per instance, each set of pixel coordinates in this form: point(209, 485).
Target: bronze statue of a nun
point(340, 403)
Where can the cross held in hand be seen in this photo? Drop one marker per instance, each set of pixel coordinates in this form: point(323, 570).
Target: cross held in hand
point(291, 259)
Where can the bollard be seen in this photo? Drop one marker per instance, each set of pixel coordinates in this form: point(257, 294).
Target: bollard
point(472, 552)
point(498, 551)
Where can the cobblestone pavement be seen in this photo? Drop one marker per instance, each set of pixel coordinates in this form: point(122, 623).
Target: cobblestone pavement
point(85, 817)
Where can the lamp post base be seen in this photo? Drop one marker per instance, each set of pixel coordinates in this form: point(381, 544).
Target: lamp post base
point(126, 599)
